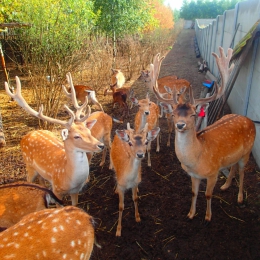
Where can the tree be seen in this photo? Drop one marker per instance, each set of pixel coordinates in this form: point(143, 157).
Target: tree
point(191, 10)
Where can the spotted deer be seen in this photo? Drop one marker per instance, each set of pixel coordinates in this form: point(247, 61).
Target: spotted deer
point(82, 91)
point(171, 81)
point(63, 164)
point(59, 233)
point(101, 130)
point(21, 198)
point(226, 143)
point(148, 113)
point(127, 151)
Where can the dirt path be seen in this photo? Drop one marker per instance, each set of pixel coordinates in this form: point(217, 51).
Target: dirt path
point(164, 194)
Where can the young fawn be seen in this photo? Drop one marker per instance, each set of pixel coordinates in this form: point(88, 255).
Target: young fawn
point(127, 150)
point(63, 164)
point(62, 233)
point(227, 142)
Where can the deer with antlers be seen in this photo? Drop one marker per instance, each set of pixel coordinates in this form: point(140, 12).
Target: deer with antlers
point(171, 81)
point(227, 142)
point(101, 130)
point(127, 150)
point(63, 164)
point(59, 233)
point(148, 113)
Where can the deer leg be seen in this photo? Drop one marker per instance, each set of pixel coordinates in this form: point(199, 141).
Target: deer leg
point(241, 165)
point(135, 199)
point(230, 177)
point(120, 192)
point(148, 153)
point(158, 143)
point(74, 199)
point(31, 174)
point(170, 126)
point(104, 153)
point(161, 109)
point(211, 182)
point(195, 183)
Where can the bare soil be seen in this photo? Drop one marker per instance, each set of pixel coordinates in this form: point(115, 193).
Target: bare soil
point(164, 193)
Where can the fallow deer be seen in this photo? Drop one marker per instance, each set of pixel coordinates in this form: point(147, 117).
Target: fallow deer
point(227, 142)
point(117, 80)
point(59, 233)
point(82, 91)
point(21, 198)
point(101, 130)
point(120, 97)
point(148, 113)
point(171, 81)
point(127, 150)
point(63, 164)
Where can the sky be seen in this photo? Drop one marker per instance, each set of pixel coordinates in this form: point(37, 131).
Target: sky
point(174, 4)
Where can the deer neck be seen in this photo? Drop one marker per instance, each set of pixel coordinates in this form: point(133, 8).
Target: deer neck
point(77, 165)
point(143, 120)
point(187, 147)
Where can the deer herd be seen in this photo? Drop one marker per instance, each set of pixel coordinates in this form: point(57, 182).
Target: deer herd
point(64, 162)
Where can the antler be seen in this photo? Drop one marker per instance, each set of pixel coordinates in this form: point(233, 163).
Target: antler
point(155, 70)
point(224, 69)
point(72, 96)
point(21, 101)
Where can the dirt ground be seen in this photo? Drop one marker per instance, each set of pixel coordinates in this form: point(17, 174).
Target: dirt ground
point(164, 193)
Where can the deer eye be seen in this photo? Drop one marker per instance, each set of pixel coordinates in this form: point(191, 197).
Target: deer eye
point(193, 115)
point(130, 143)
point(146, 142)
point(77, 137)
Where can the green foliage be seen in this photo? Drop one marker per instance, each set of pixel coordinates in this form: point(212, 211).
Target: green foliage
point(204, 9)
point(122, 17)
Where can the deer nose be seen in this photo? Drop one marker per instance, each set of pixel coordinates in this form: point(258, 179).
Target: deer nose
point(147, 113)
point(180, 126)
point(101, 146)
point(140, 155)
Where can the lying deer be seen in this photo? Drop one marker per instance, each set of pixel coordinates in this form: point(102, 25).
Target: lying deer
point(148, 113)
point(63, 164)
point(62, 233)
point(227, 142)
point(83, 91)
point(15, 202)
point(127, 150)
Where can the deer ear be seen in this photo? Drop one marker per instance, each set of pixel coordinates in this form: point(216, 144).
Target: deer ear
point(64, 134)
point(151, 135)
point(89, 124)
point(122, 135)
